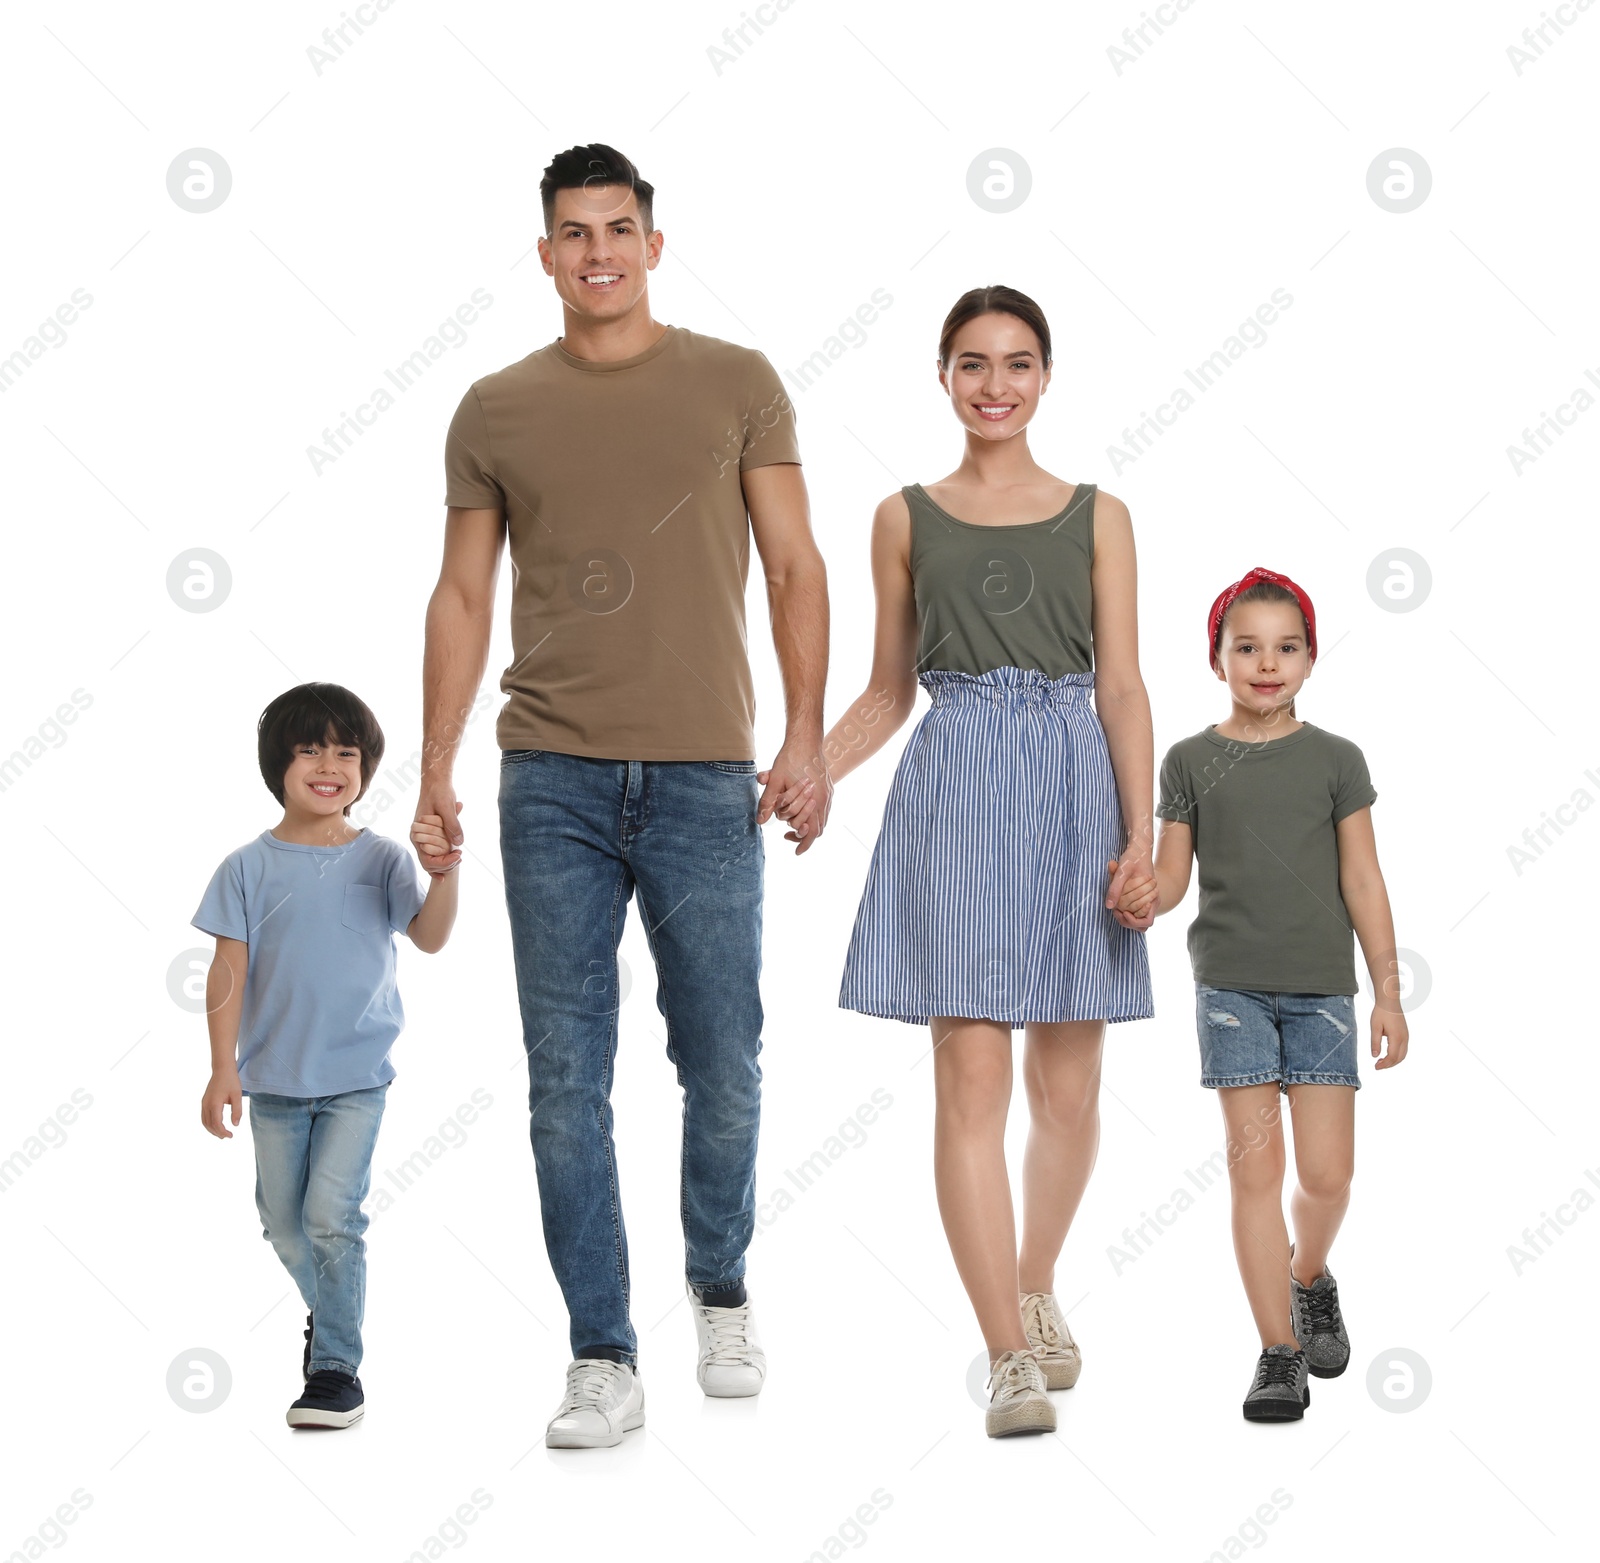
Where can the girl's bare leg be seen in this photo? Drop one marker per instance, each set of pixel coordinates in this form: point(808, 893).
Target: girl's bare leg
point(972, 1082)
point(1061, 1069)
point(1324, 1159)
point(1254, 1119)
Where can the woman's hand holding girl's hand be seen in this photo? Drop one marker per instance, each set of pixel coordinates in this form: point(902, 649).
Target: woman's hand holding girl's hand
point(1134, 896)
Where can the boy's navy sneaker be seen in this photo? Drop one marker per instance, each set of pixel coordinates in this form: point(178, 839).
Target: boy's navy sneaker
point(305, 1361)
point(330, 1400)
point(1319, 1326)
point(1281, 1388)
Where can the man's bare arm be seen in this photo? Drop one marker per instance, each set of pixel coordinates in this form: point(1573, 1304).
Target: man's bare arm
point(460, 617)
point(797, 595)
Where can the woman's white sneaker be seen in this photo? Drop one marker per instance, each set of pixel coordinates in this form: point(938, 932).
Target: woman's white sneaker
point(603, 1401)
point(1051, 1340)
point(1017, 1401)
point(732, 1363)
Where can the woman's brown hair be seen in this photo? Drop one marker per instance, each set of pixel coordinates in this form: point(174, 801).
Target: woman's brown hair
point(994, 300)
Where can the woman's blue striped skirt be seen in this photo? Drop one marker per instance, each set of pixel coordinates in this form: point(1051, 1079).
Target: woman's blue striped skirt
point(986, 895)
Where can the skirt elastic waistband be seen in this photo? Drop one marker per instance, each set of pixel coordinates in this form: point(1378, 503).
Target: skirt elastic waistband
point(1006, 686)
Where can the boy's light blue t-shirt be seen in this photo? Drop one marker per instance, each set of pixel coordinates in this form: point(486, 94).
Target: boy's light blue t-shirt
point(321, 1007)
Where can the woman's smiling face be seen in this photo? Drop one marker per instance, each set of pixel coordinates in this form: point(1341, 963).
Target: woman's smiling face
point(995, 376)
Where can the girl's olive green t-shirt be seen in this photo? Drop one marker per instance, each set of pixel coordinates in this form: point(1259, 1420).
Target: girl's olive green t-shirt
point(1263, 816)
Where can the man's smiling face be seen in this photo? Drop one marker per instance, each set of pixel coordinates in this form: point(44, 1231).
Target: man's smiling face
point(598, 251)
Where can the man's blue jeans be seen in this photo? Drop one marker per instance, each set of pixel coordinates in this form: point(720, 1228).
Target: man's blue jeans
point(578, 837)
point(313, 1169)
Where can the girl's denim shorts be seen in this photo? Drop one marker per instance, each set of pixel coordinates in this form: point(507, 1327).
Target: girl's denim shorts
point(1249, 1038)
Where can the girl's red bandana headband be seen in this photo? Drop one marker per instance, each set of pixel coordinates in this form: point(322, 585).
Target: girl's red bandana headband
point(1219, 609)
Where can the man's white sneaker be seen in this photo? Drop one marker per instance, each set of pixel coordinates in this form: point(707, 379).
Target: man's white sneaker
point(603, 1401)
point(732, 1363)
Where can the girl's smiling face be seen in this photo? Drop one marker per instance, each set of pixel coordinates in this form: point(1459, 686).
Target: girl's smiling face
point(322, 779)
point(1262, 655)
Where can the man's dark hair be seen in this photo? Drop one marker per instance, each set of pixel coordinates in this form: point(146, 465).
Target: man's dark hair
point(596, 164)
point(316, 714)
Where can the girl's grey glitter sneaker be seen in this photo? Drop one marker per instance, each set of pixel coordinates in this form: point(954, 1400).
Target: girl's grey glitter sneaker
point(1281, 1388)
point(1319, 1326)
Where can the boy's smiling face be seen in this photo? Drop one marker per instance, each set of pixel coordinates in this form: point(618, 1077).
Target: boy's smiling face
point(323, 779)
point(1262, 655)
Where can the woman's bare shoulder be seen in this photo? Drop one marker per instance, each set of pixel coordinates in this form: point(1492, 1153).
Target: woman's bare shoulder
point(1110, 511)
point(893, 514)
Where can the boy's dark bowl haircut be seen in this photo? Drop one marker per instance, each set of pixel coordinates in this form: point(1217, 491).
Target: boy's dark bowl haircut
point(317, 714)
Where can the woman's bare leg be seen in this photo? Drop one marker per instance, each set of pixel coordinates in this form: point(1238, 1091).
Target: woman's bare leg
point(1324, 1158)
point(972, 1082)
point(1061, 1068)
point(1254, 1118)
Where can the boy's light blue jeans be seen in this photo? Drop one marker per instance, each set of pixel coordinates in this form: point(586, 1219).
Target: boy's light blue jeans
point(313, 1169)
point(579, 837)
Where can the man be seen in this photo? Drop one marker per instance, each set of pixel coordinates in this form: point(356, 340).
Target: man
point(627, 466)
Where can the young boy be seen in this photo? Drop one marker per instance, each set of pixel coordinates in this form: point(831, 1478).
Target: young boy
point(303, 985)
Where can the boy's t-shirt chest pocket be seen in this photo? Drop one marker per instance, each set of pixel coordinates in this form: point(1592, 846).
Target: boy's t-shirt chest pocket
point(366, 908)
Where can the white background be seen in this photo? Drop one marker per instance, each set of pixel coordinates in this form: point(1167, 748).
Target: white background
point(828, 160)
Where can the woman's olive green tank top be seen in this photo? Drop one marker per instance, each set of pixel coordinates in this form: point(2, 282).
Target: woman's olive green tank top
point(1003, 596)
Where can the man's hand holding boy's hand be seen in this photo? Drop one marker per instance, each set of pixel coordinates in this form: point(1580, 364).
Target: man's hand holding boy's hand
point(434, 849)
point(437, 804)
point(222, 1091)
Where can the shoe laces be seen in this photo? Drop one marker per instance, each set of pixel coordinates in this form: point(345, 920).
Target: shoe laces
point(1014, 1373)
point(592, 1383)
point(1040, 1320)
point(1275, 1368)
point(1321, 1304)
point(730, 1333)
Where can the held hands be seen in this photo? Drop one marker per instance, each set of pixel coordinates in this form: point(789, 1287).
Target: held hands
point(1133, 896)
point(797, 796)
point(434, 849)
point(222, 1091)
point(435, 805)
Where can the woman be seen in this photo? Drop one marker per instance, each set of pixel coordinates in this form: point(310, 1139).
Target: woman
point(987, 907)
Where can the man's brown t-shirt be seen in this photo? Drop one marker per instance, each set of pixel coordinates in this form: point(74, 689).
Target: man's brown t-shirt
point(629, 540)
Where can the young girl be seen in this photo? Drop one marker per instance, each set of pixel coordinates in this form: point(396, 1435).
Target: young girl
point(1278, 812)
point(986, 908)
